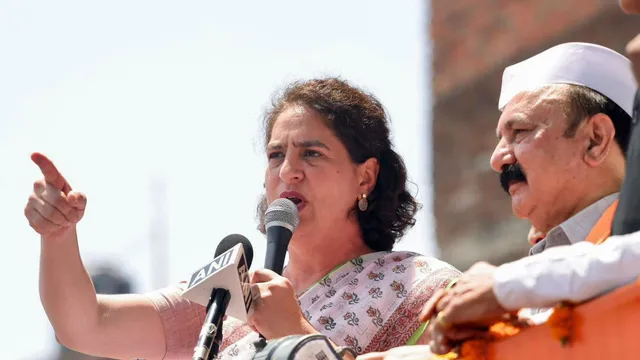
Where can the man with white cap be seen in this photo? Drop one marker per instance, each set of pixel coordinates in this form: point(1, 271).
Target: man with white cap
point(563, 134)
point(562, 137)
point(577, 272)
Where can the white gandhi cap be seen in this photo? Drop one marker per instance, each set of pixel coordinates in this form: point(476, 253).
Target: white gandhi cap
point(593, 66)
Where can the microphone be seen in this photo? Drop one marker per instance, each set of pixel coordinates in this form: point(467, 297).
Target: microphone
point(281, 220)
point(215, 285)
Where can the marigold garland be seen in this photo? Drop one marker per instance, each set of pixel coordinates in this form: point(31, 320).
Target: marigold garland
point(447, 356)
point(561, 323)
point(477, 349)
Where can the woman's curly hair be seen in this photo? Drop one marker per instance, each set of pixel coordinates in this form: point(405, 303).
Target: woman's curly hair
point(360, 121)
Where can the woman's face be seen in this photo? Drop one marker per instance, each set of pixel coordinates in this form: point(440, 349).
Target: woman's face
point(309, 164)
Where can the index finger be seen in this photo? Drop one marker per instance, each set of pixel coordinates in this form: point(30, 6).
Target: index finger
point(51, 174)
point(430, 306)
point(459, 311)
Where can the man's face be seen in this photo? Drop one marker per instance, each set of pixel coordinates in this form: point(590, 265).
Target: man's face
point(630, 6)
point(540, 168)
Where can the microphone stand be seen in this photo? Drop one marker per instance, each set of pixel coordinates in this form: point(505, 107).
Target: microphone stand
point(211, 334)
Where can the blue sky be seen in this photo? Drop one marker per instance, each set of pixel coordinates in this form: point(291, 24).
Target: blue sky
point(121, 94)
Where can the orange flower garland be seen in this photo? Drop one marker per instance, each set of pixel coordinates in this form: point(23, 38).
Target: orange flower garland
point(447, 356)
point(477, 349)
point(561, 323)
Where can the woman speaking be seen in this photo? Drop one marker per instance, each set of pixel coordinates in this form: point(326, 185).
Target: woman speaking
point(329, 150)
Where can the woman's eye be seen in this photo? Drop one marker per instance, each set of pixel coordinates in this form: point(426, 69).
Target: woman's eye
point(275, 155)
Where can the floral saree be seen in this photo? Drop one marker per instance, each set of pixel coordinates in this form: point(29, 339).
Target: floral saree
point(370, 303)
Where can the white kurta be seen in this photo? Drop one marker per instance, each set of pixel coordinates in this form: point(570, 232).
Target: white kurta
point(574, 273)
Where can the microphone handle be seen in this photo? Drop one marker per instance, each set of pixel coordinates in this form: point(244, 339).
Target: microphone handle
point(216, 342)
point(212, 325)
point(278, 238)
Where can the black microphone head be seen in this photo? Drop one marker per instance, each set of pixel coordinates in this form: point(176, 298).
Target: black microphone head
point(232, 240)
point(282, 212)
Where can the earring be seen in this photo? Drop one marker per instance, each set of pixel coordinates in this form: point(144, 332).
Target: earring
point(363, 204)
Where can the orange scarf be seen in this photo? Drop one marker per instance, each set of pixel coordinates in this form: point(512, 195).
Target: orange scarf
point(602, 230)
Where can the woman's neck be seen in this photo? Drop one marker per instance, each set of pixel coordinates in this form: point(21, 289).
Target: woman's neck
point(312, 258)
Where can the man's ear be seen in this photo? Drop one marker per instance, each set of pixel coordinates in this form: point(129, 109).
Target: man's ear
point(600, 134)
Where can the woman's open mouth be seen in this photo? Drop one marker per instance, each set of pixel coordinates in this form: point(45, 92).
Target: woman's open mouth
point(295, 197)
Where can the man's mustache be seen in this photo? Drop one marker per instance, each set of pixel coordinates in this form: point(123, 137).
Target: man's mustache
point(511, 173)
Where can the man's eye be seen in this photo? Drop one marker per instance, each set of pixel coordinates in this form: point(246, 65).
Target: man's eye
point(311, 153)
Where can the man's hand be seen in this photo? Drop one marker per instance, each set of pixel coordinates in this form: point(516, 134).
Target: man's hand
point(275, 312)
point(414, 352)
point(53, 208)
point(464, 311)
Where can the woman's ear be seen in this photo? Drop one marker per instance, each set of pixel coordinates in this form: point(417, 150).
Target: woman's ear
point(368, 172)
